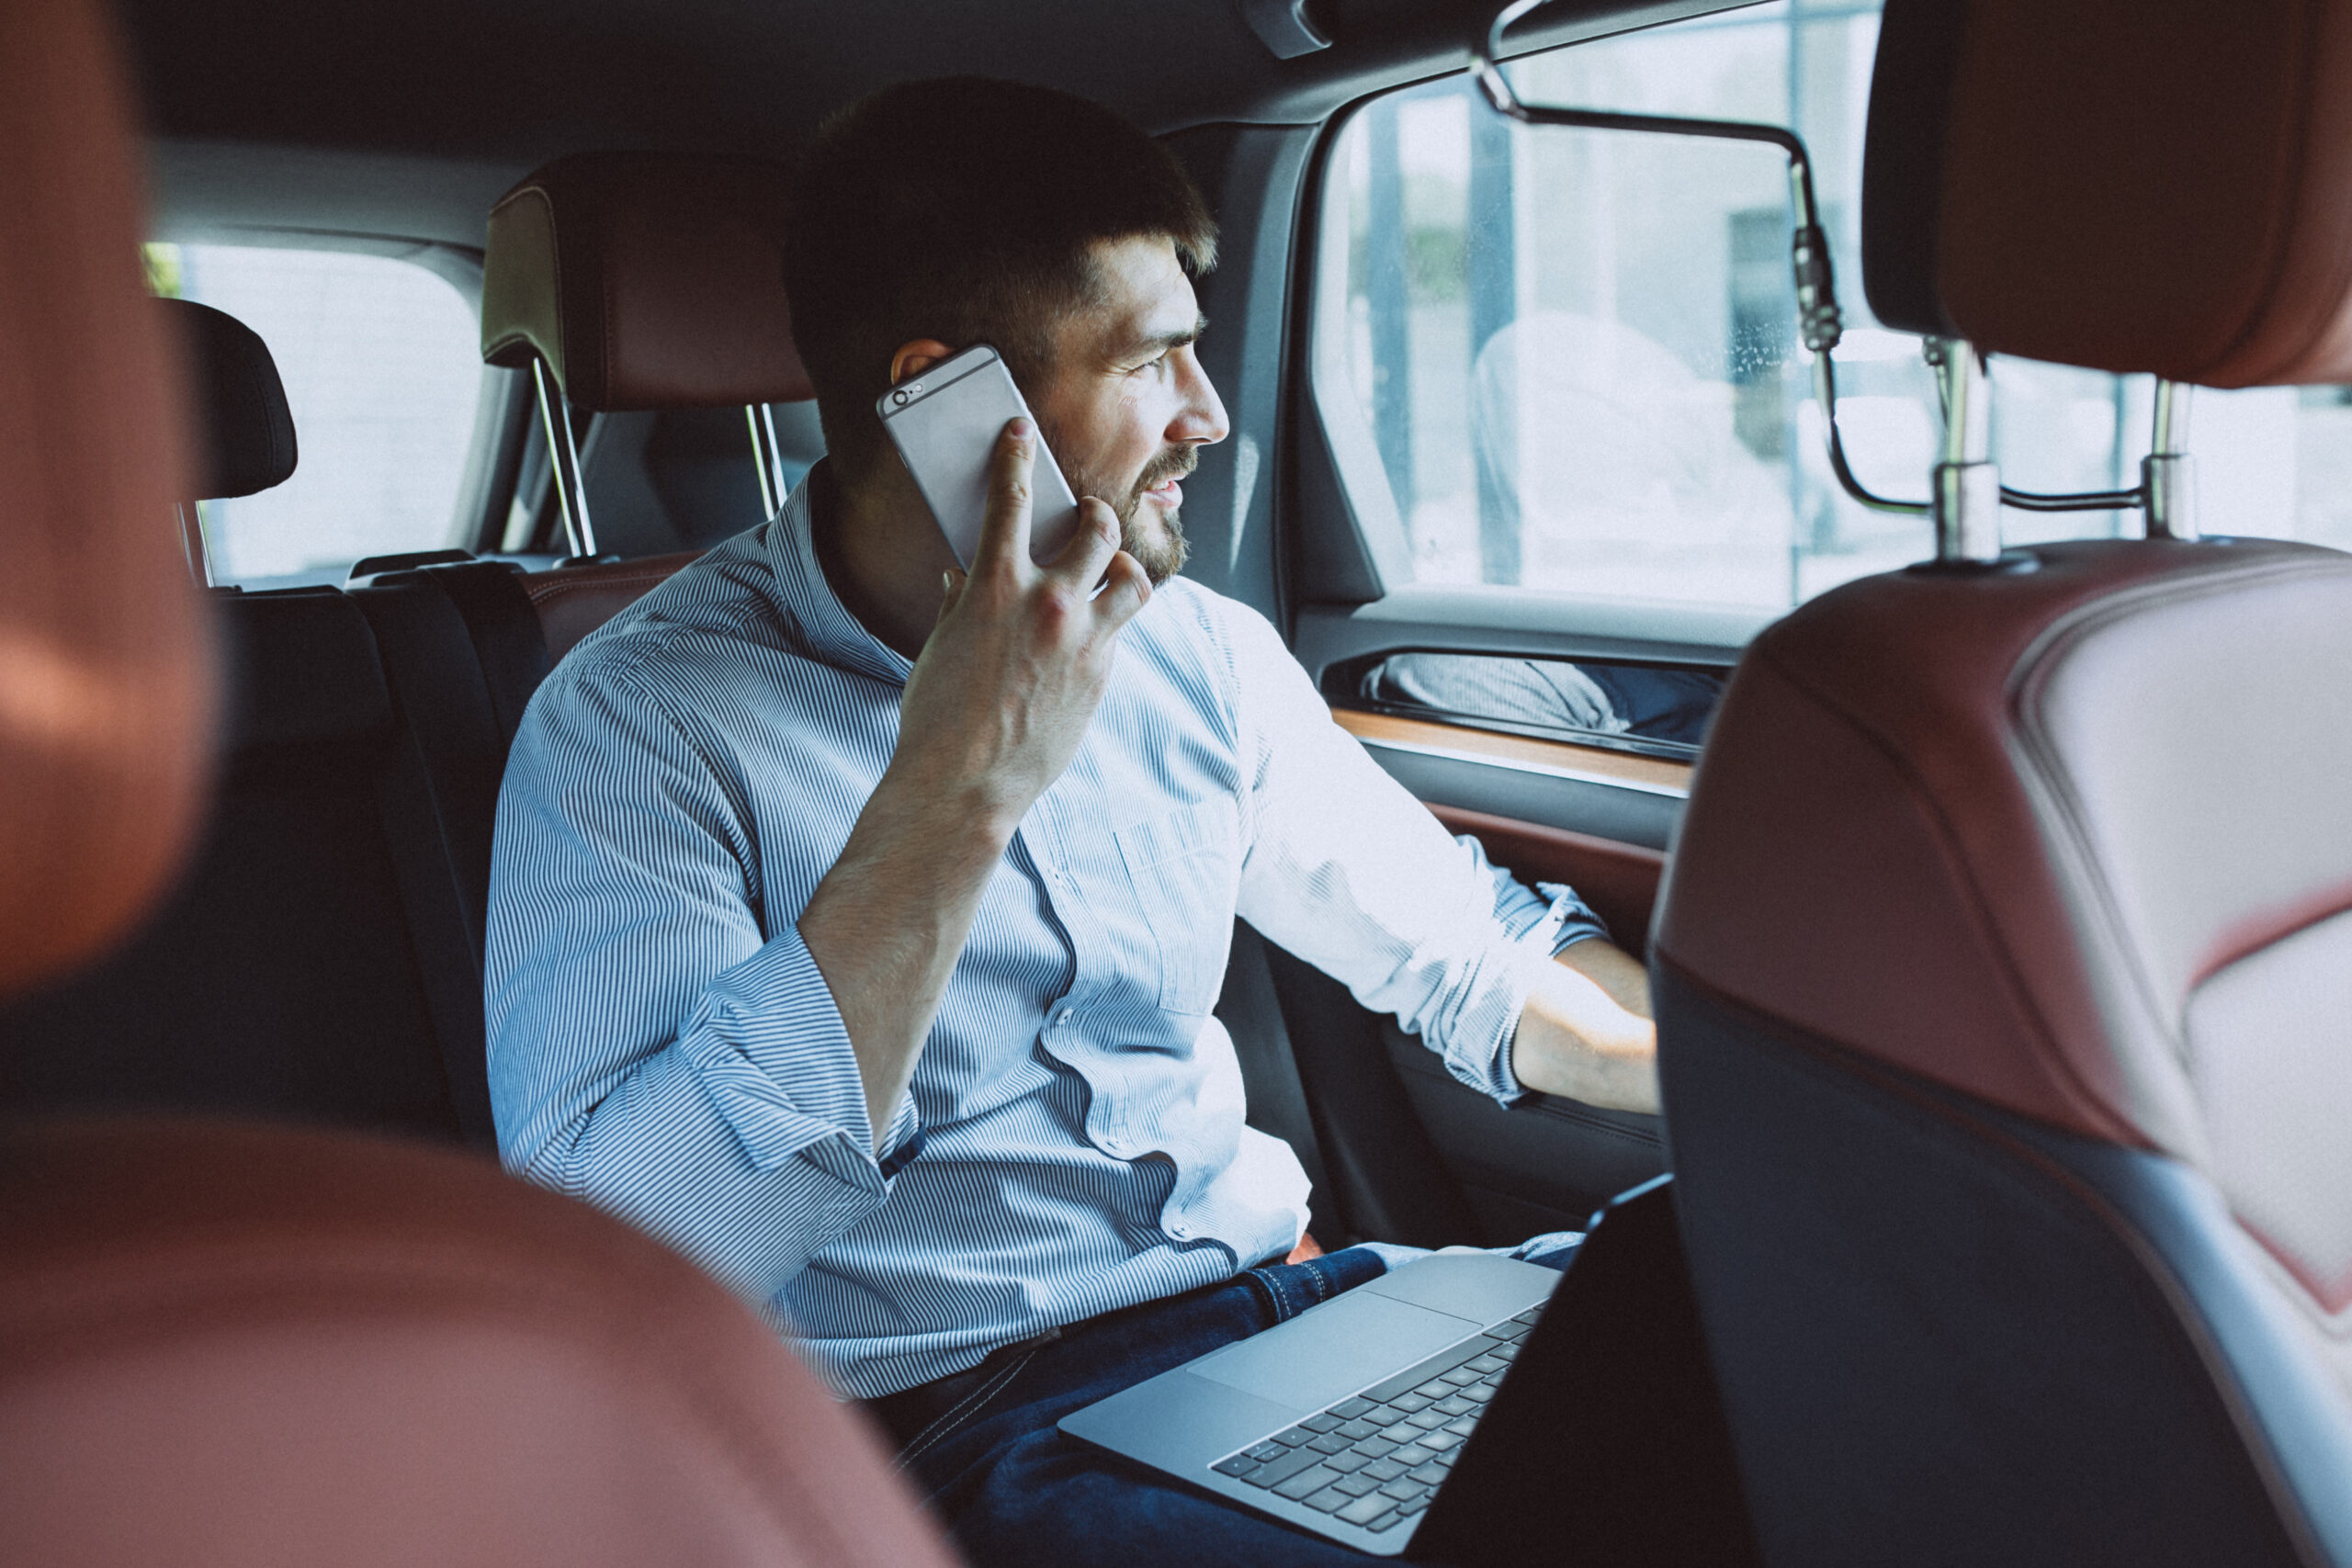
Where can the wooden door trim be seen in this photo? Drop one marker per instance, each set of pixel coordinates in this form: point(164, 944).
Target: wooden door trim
point(1557, 759)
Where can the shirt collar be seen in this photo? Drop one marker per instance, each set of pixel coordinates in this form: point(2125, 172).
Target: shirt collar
point(834, 635)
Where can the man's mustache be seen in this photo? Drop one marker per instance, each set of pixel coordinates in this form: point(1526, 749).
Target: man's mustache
point(1175, 465)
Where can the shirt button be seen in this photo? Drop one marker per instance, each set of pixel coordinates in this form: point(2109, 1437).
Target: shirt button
point(1066, 1014)
point(1179, 1230)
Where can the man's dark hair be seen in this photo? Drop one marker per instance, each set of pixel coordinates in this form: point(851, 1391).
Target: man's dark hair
point(963, 209)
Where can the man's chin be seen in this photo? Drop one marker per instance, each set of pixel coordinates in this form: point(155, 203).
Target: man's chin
point(1160, 550)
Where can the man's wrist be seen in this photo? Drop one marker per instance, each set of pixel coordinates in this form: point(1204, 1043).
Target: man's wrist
point(957, 821)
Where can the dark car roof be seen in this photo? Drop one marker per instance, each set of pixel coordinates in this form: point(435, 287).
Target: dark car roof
point(408, 120)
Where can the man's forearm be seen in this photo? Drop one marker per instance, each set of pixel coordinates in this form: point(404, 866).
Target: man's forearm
point(1585, 1031)
point(887, 923)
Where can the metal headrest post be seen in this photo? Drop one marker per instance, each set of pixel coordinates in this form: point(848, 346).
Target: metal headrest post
point(192, 544)
point(767, 456)
point(2168, 474)
point(1967, 483)
point(563, 462)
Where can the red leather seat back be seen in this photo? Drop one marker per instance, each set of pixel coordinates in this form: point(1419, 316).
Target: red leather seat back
point(2005, 995)
point(260, 1347)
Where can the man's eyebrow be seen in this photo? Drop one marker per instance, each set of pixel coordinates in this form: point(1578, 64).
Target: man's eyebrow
point(1161, 343)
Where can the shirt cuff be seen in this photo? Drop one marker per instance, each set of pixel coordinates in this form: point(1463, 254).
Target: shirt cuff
point(1570, 920)
point(1566, 922)
point(771, 1047)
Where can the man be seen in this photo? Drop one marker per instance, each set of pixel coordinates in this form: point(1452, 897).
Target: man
point(855, 922)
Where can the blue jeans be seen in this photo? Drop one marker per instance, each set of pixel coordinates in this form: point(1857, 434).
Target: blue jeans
point(982, 1448)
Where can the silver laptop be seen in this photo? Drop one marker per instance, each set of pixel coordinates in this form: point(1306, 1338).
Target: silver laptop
point(1345, 1419)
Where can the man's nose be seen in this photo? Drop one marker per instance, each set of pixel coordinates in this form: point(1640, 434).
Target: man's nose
point(1201, 421)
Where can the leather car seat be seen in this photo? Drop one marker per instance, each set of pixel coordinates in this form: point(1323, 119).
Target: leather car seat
point(239, 1345)
point(640, 280)
point(2004, 971)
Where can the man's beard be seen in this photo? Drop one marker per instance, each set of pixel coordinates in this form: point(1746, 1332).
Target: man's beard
point(1161, 556)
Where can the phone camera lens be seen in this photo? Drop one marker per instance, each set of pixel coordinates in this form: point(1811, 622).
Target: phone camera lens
point(899, 399)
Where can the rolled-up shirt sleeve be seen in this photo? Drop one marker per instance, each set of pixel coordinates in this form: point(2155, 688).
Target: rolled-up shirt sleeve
point(1346, 869)
point(652, 1049)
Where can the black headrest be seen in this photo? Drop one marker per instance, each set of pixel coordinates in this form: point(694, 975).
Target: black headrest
point(246, 432)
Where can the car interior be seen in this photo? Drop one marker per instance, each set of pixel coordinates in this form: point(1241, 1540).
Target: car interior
point(1736, 460)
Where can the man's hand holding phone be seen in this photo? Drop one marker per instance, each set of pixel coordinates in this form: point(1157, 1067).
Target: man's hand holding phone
point(1013, 672)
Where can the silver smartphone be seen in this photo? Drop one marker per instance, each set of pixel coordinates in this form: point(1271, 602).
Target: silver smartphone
point(945, 423)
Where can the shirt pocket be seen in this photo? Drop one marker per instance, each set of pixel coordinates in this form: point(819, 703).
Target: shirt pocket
point(1184, 868)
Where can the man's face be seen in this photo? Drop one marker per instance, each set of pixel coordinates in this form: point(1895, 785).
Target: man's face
point(1126, 403)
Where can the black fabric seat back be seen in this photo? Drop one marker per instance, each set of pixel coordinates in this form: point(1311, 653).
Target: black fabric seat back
point(282, 978)
point(462, 652)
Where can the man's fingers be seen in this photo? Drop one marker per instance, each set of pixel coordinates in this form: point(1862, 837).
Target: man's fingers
point(1091, 545)
point(1125, 590)
point(1005, 529)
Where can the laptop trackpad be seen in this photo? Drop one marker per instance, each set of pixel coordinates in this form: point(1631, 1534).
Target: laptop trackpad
point(1333, 1350)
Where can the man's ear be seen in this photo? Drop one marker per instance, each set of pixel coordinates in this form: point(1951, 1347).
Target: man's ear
point(914, 358)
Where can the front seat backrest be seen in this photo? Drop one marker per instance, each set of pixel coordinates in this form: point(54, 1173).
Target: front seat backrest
point(2004, 964)
point(253, 1347)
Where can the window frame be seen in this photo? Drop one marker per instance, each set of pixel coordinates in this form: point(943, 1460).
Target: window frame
point(1351, 593)
point(501, 412)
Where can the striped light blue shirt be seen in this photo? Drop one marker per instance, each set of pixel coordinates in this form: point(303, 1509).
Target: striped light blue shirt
point(662, 1045)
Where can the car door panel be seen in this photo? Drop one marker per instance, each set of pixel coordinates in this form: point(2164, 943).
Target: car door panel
point(1548, 1163)
point(1595, 816)
point(1613, 796)
point(1619, 880)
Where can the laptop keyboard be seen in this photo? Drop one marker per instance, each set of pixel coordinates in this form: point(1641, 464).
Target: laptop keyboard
point(1375, 1459)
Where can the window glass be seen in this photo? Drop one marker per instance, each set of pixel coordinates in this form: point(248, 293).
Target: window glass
point(382, 366)
point(1567, 360)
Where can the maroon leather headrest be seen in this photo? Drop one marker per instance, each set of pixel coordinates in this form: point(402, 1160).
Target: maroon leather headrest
point(2006, 831)
point(646, 280)
point(2156, 185)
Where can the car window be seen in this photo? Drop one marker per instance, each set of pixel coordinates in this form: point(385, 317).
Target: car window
point(382, 366)
point(1566, 360)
